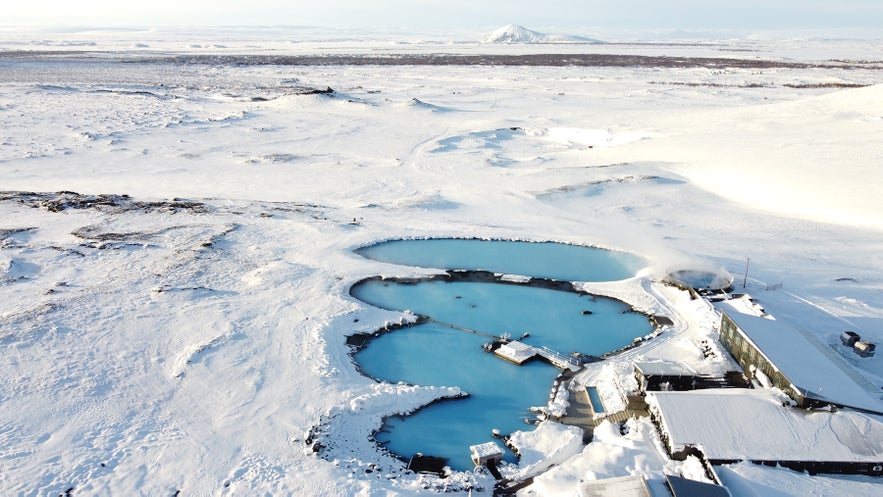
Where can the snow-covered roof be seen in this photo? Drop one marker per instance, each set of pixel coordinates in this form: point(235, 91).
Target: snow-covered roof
point(737, 424)
point(685, 487)
point(818, 373)
point(624, 486)
point(664, 368)
point(516, 351)
point(487, 449)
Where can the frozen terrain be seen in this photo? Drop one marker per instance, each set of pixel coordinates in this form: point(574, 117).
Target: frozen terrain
point(179, 323)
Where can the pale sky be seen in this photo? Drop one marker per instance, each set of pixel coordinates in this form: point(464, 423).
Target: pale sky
point(440, 14)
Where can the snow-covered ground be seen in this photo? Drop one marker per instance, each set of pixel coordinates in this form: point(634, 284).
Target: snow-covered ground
point(191, 335)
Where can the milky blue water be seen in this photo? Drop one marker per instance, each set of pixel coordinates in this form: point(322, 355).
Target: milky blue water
point(500, 392)
point(542, 260)
point(595, 399)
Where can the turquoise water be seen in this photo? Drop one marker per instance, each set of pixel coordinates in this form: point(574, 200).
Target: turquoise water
point(542, 260)
point(595, 399)
point(500, 392)
point(563, 321)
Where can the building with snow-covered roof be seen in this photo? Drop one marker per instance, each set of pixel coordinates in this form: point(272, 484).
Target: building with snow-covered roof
point(685, 487)
point(664, 375)
point(623, 486)
point(488, 452)
point(515, 351)
point(792, 360)
point(730, 425)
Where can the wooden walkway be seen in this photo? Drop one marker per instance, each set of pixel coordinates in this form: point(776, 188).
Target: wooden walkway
point(580, 413)
point(468, 330)
point(557, 359)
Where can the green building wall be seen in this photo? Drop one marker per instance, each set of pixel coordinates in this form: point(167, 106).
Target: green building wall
point(747, 354)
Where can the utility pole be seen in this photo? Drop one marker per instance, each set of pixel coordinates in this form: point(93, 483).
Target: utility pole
point(745, 280)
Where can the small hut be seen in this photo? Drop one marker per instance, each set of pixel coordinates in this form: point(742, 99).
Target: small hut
point(488, 452)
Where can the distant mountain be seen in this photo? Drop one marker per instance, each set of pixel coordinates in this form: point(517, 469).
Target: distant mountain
point(514, 33)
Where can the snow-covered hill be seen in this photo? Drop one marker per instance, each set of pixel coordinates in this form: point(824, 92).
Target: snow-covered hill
point(514, 33)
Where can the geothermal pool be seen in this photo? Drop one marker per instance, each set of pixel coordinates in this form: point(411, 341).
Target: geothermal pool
point(558, 261)
point(500, 393)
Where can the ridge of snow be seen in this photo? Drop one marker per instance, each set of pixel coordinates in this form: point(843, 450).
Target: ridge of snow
point(549, 445)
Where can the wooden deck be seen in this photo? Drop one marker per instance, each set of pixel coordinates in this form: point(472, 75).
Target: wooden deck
point(520, 352)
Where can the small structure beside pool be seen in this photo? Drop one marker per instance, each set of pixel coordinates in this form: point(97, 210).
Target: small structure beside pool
point(488, 452)
point(515, 351)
